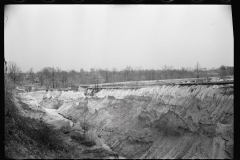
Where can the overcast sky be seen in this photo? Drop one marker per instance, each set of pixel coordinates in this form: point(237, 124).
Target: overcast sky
point(107, 36)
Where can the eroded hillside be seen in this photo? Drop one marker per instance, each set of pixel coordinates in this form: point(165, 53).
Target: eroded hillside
point(169, 121)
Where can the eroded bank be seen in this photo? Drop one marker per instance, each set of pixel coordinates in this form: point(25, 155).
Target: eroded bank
point(194, 121)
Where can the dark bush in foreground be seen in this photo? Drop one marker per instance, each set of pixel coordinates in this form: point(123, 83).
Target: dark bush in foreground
point(25, 136)
point(66, 129)
point(100, 152)
point(23, 132)
point(88, 143)
point(77, 137)
point(43, 134)
point(81, 139)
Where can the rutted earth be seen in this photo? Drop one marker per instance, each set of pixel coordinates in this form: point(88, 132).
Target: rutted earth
point(169, 121)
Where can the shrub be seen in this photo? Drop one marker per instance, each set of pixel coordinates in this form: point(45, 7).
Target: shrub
point(49, 137)
point(41, 133)
point(77, 137)
point(85, 125)
point(81, 139)
point(11, 112)
point(30, 133)
point(88, 143)
point(65, 129)
point(9, 85)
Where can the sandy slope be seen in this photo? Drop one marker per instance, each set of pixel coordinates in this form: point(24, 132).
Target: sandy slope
point(168, 121)
point(52, 117)
point(162, 122)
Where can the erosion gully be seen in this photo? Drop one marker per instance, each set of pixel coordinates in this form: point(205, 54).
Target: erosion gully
point(167, 121)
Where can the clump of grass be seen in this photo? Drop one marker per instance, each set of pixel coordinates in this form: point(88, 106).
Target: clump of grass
point(88, 143)
point(100, 153)
point(65, 129)
point(83, 140)
point(77, 137)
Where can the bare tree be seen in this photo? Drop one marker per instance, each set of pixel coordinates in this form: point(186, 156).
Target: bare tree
point(14, 71)
point(41, 77)
point(127, 72)
point(138, 72)
point(58, 74)
point(64, 77)
point(152, 74)
point(106, 76)
point(223, 71)
point(53, 76)
point(31, 75)
point(85, 125)
point(73, 78)
point(84, 76)
point(96, 79)
point(114, 71)
point(197, 69)
point(50, 76)
point(47, 76)
point(165, 71)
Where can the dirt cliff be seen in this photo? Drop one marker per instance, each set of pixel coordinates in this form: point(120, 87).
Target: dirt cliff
point(169, 121)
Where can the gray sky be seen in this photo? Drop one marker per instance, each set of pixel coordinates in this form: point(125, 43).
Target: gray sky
point(107, 36)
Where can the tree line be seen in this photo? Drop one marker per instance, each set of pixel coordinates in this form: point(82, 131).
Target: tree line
point(55, 77)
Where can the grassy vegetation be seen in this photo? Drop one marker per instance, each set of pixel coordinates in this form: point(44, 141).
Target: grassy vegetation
point(65, 129)
point(82, 139)
point(30, 138)
point(33, 138)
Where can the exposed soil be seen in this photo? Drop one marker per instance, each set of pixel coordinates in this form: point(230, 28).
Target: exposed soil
point(152, 122)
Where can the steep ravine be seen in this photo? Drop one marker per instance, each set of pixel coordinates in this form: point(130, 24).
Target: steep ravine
point(57, 121)
point(194, 121)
